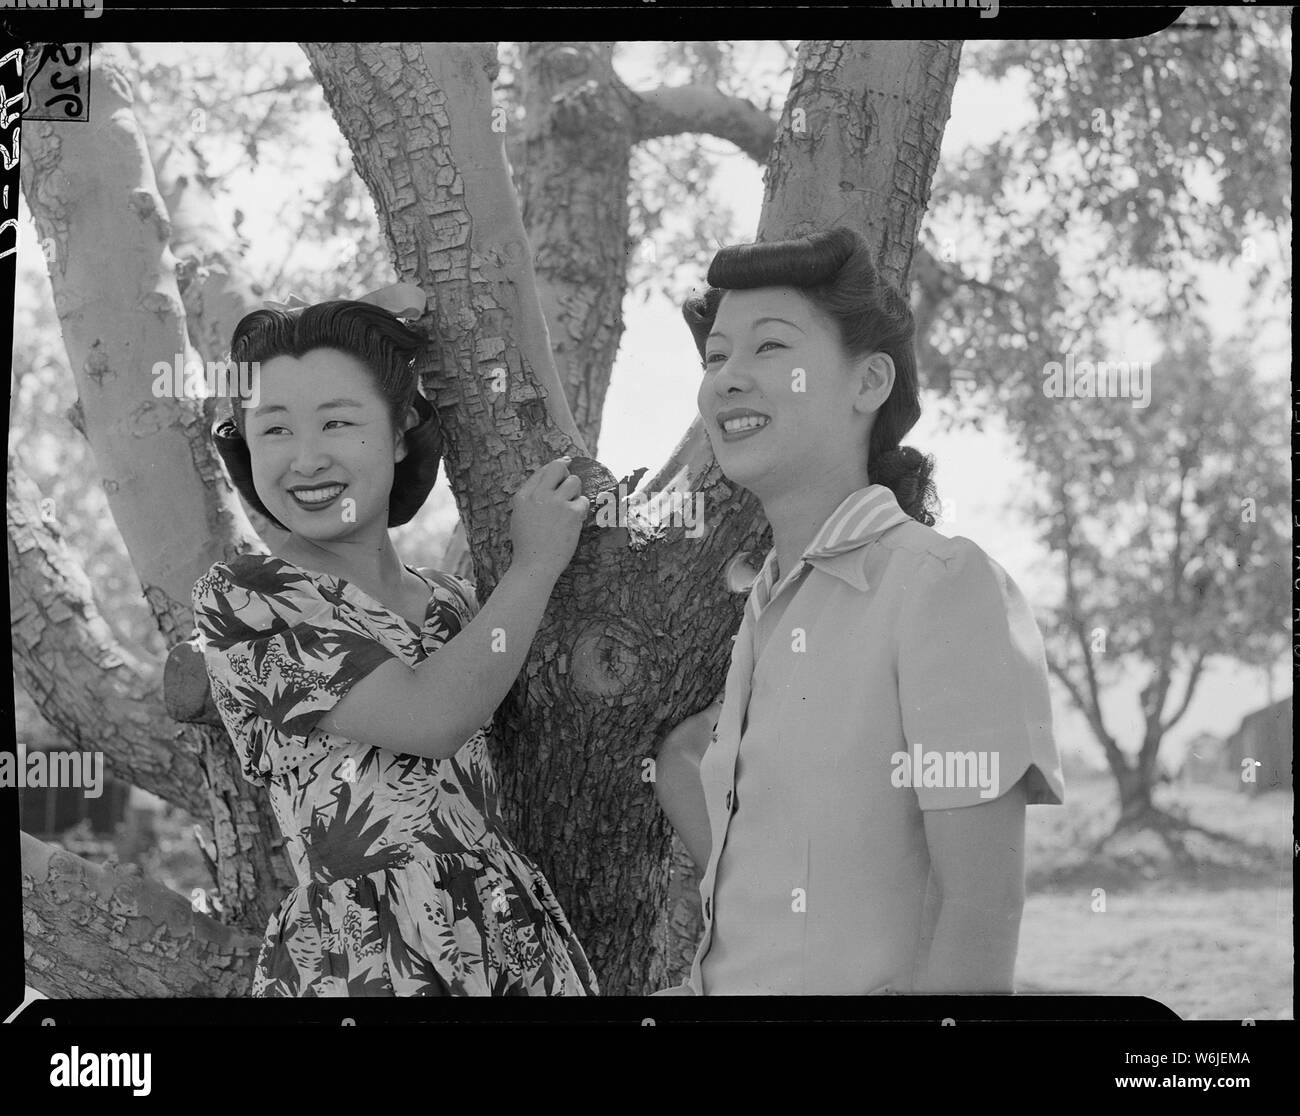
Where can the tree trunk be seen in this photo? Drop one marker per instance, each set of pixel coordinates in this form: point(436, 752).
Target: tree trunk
point(581, 124)
point(92, 192)
point(213, 281)
point(214, 284)
point(1135, 805)
point(89, 687)
point(579, 130)
point(869, 117)
point(130, 937)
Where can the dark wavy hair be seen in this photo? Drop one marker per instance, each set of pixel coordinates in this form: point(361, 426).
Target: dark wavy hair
point(388, 350)
point(835, 272)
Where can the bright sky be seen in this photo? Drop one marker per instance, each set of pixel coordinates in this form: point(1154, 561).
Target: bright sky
point(651, 399)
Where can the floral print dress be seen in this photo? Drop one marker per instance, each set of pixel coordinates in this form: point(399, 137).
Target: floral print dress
point(407, 883)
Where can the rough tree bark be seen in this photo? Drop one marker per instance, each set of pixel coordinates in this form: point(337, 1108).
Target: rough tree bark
point(133, 937)
point(97, 693)
point(92, 192)
point(874, 114)
point(581, 123)
point(578, 120)
point(581, 126)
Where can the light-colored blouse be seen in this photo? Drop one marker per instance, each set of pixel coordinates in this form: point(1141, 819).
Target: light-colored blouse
point(892, 672)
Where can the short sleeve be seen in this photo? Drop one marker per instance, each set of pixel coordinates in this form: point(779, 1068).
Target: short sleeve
point(468, 593)
point(972, 685)
point(462, 592)
point(279, 655)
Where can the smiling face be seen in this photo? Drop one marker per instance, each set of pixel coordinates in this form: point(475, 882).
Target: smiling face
point(783, 403)
point(323, 445)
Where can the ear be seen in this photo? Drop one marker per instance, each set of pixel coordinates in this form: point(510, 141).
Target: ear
point(399, 448)
point(875, 381)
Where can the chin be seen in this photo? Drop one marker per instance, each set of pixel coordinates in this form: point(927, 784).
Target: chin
point(308, 526)
point(743, 469)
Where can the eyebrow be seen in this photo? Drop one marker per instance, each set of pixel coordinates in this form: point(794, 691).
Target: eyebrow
point(272, 408)
point(760, 321)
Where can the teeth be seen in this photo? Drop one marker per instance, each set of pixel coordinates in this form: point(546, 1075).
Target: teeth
point(747, 423)
point(319, 495)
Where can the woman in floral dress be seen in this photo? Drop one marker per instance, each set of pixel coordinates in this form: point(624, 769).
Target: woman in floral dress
point(321, 661)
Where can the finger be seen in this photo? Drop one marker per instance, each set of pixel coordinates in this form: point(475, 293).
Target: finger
point(569, 485)
point(579, 504)
point(551, 474)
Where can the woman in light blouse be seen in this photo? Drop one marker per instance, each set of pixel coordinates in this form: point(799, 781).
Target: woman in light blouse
point(859, 812)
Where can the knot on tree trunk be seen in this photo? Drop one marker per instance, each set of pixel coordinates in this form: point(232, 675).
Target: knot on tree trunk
point(607, 661)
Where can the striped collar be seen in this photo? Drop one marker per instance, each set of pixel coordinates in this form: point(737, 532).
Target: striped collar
point(863, 516)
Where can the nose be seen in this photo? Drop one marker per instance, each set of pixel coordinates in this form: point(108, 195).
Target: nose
point(732, 377)
point(309, 456)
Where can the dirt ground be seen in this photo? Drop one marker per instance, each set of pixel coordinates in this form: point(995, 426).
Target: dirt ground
point(1209, 936)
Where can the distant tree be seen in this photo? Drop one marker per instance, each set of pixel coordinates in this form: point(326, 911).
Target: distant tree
point(1168, 524)
point(1144, 160)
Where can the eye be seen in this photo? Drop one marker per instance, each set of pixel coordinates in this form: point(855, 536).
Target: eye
point(766, 343)
point(271, 430)
point(341, 422)
point(708, 360)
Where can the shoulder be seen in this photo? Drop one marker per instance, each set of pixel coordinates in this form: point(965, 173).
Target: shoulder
point(951, 574)
point(262, 589)
point(923, 549)
point(916, 541)
point(458, 587)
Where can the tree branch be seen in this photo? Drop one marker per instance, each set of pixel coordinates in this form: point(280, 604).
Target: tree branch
point(858, 142)
point(673, 110)
point(574, 176)
point(99, 932)
point(1091, 714)
point(1193, 677)
point(414, 145)
point(94, 691)
point(92, 191)
point(1156, 692)
point(1077, 624)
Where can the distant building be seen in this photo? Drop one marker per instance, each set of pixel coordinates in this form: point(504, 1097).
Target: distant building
point(1264, 737)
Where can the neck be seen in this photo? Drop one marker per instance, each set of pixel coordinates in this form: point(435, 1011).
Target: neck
point(364, 557)
point(796, 515)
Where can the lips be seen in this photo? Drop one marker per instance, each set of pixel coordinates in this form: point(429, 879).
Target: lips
point(316, 497)
point(741, 422)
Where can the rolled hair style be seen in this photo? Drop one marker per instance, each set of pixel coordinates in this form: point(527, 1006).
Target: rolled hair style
point(379, 341)
point(835, 272)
